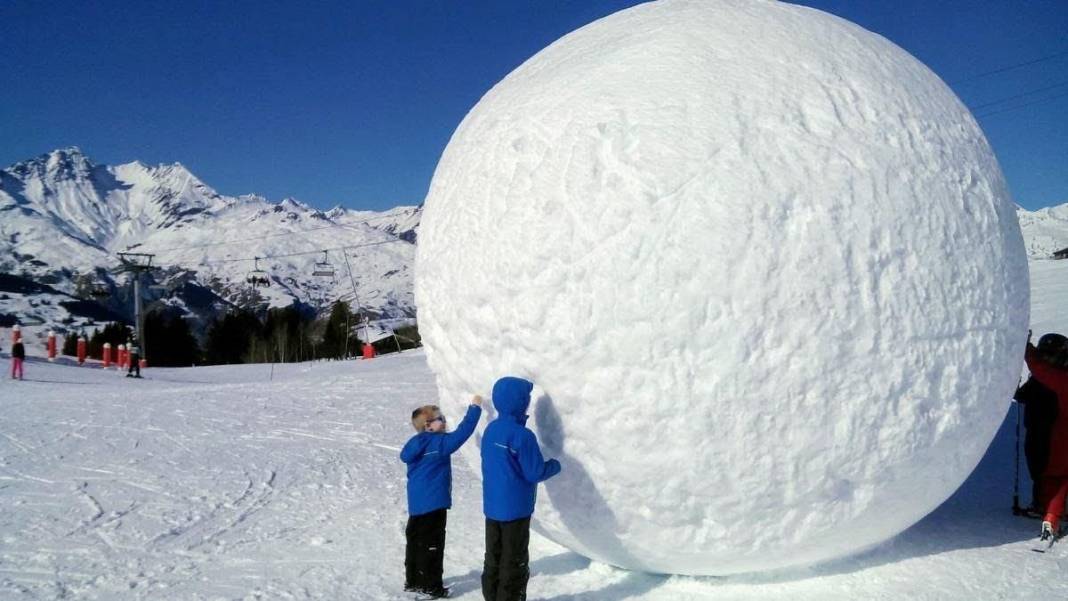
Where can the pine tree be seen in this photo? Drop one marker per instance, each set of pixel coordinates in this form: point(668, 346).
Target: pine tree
point(96, 344)
point(336, 338)
point(70, 344)
point(186, 351)
point(408, 336)
point(230, 338)
point(168, 341)
point(239, 337)
point(153, 325)
point(285, 335)
point(115, 334)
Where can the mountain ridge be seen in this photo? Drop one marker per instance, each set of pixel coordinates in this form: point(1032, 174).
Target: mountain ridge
point(65, 218)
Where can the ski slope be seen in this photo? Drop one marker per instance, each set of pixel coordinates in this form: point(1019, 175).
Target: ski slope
point(260, 482)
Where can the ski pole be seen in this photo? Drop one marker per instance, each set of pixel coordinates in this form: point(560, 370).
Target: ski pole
point(1016, 510)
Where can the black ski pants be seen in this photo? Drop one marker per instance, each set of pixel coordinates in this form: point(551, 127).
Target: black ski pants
point(135, 365)
point(505, 573)
point(1036, 450)
point(424, 554)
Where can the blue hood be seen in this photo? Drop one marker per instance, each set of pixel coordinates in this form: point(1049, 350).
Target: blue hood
point(511, 396)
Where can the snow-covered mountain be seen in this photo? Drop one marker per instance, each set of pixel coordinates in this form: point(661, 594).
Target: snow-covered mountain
point(1045, 231)
point(64, 219)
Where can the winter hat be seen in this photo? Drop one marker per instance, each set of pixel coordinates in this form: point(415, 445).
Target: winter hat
point(1051, 343)
point(1054, 349)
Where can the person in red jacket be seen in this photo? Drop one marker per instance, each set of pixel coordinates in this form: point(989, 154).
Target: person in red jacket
point(1039, 414)
point(1053, 374)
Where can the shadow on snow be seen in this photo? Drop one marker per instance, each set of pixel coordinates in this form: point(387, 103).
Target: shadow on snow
point(977, 515)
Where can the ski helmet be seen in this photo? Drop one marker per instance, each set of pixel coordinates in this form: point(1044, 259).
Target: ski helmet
point(1051, 343)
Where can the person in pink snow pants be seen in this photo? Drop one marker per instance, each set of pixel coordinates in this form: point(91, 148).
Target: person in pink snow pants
point(18, 355)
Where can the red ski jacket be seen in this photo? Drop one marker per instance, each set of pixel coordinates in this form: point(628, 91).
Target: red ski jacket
point(1056, 379)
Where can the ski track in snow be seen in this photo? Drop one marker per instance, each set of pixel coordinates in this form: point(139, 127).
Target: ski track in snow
point(217, 483)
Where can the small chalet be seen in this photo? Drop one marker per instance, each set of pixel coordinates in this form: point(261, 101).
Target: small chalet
point(1061, 254)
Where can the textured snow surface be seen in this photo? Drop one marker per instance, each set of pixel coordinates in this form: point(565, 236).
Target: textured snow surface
point(763, 267)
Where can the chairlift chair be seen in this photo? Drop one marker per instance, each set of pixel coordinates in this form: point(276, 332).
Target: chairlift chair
point(99, 289)
point(257, 277)
point(323, 268)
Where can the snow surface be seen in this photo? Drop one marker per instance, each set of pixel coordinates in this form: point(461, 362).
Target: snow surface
point(252, 482)
point(1045, 230)
point(762, 264)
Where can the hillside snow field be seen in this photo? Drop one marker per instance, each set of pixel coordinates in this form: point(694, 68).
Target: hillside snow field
point(64, 219)
point(283, 482)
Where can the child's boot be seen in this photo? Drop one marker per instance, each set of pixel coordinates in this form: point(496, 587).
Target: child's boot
point(438, 593)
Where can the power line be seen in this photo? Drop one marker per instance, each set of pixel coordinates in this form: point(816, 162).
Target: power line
point(1010, 67)
point(278, 235)
point(240, 240)
point(1020, 95)
point(293, 254)
point(1024, 105)
point(301, 253)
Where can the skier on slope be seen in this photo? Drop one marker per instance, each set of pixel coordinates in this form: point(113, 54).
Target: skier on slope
point(135, 361)
point(1052, 372)
point(18, 355)
point(1040, 413)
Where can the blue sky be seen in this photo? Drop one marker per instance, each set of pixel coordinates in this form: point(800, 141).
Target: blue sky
point(352, 102)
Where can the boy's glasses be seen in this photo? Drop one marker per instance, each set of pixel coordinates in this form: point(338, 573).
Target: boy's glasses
point(440, 418)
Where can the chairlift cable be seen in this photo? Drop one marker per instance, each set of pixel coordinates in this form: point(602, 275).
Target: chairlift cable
point(351, 226)
point(297, 254)
point(259, 277)
point(1020, 95)
point(1020, 106)
point(1010, 68)
point(285, 255)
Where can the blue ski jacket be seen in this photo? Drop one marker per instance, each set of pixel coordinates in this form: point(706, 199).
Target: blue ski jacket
point(430, 465)
point(512, 464)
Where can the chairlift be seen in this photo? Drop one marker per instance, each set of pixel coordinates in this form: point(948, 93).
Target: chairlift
point(99, 289)
point(257, 277)
point(323, 268)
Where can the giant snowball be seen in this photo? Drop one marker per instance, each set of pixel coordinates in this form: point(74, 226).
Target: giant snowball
point(762, 266)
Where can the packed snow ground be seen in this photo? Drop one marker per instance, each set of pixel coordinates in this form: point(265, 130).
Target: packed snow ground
point(261, 482)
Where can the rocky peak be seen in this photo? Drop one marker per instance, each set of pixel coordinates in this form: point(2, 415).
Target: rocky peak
point(60, 164)
point(292, 204)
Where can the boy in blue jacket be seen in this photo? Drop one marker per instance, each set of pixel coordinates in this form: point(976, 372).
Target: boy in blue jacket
point(512, 466)
point(430, 494)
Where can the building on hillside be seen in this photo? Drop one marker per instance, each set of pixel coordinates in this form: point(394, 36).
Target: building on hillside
point(1061, 254)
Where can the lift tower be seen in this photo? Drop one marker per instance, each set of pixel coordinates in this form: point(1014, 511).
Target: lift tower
point(137, 264)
